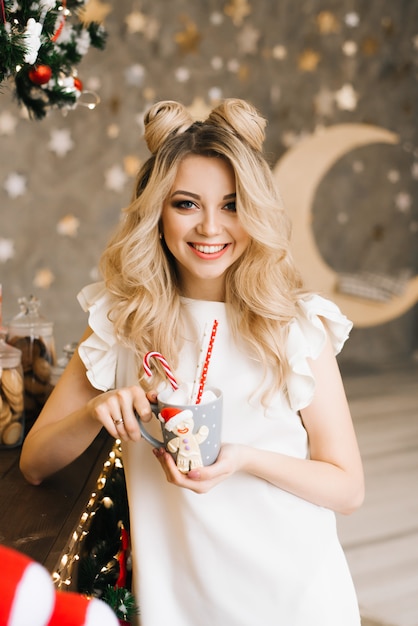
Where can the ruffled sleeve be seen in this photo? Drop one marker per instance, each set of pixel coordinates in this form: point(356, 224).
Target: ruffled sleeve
point(307, 336)
point(99, 351)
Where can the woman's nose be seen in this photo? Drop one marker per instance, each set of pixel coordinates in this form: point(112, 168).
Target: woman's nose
point(210, 223)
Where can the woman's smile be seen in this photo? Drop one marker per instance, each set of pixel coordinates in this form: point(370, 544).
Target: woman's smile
point(208, 251)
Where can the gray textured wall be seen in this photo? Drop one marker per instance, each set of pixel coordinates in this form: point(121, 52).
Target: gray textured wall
point(291, 59)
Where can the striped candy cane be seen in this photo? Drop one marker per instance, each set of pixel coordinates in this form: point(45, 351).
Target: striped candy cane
point(159, 357)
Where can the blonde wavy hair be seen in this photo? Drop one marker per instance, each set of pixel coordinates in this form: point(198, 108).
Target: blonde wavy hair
point(262, 287)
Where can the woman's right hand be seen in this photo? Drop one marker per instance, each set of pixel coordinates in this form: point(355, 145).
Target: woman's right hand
point(115, 410)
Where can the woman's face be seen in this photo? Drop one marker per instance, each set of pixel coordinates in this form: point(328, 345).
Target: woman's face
point(201, 227)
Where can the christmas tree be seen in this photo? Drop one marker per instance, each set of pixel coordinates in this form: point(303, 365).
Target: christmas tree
point(41, 42)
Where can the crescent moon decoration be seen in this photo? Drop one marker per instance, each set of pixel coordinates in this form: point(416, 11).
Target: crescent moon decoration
point(298, 173)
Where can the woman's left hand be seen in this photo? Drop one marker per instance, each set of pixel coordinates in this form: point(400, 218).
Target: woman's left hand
point(202, 479)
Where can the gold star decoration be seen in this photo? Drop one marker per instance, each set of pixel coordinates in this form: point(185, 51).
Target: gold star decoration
point(43, 278)
point(135, 22)
point(369, 46)
point(237, 10)
point(189, 39)
point(308, 60)
point(243, 73)
point(131, 164)
point(327, 23)
point(199, 110)
point(94, 11)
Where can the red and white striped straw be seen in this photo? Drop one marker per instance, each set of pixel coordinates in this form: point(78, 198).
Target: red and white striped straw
point(203, 377)
point(159, 357)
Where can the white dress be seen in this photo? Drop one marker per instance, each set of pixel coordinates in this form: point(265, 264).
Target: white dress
point(246, 553)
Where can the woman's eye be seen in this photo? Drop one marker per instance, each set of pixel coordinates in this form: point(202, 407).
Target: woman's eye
point(185, 204)
point(231, 206)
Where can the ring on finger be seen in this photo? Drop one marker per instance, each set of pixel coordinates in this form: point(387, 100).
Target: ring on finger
point(117, 422)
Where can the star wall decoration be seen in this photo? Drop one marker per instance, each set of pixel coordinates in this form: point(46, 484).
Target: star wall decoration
point(346, 98)
point(152, 30)
point(308, 60)
point(216, 18)
point(279, 52)
point(8, 123)
point(393, 176)
point(350, 48)
point(369, 46)
point(247, 39)
point(238, 10)
point(15, 185)
point(199, 110)
point(60, 141)
point(131, 165)
point(94, 11)
point(115, 178)
point(189, 39)
point(352, 19)
point(68, 226)
point(403, 202)
point(182, 74)
point(327, 23)
point(324, 102)
point(7, 249)
point(135, 74)
point(136, 22)
point(43, 278)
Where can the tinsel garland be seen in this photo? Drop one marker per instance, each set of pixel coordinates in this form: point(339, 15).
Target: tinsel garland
point(41, 42)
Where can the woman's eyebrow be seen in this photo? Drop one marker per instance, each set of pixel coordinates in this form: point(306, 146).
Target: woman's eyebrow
point(185, 193)
point(182, 192)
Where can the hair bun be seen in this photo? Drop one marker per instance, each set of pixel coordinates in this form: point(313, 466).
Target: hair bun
point(243, 118)
point(162, 119)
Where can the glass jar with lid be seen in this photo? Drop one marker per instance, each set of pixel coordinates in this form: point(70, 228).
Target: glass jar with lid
point(32, 334)
point(12, 415)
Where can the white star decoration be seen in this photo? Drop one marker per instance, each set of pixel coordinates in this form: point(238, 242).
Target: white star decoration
point(403, 201)
point(115, 178)
point(15, 185)
point(247, 39)
point(136, 22)
point(346, 98)
point(135, 74)
point(324, 102)
point(7, 249)
point(352, 19)
point(7, 123)
point(60, 142)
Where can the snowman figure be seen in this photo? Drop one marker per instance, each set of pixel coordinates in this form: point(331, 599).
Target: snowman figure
point(186, 443)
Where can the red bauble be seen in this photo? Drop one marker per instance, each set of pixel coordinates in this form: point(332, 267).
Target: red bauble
point(78, 84)
point(40, 74)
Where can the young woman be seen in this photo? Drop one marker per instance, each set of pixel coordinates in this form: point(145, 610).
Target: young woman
point(252, 538)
